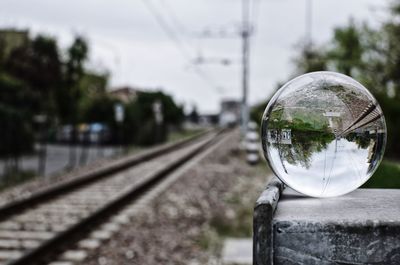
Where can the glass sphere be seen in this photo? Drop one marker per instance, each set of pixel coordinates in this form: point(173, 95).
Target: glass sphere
point(323, 134)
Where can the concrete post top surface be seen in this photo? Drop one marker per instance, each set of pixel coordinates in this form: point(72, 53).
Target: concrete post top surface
point(370, 206)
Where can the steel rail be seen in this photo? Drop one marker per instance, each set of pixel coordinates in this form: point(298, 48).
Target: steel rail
point(88, 177)
point(74, 232)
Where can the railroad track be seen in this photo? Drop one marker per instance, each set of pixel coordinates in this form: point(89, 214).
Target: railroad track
point(36, 229)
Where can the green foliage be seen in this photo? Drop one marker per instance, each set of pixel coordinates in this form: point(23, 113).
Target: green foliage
point(370, 56)
point(17, 137)
point(257, 112)
point(93, 84)
point(38, 65)
point(391, 110)
point(181, 134)
point(70, 93)
point(386, 176)
point(35, 79)
point(346, 53)
point(15, 118)
point(173, 114)
point(77, 54)
point(310, 59)
point(13, 178)
point(100, 109)
point(140, 126)
point(194, 115)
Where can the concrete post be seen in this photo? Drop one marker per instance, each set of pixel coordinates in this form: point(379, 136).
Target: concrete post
point(262, 223)
point(362, 227)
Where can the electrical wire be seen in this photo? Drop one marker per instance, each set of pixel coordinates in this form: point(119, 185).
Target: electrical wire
point(162, 22)
point(174, 18)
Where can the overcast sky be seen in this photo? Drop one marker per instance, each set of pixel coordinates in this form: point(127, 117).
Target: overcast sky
point(126, 39)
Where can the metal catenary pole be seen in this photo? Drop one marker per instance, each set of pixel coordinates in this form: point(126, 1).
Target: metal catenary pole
point(245, 62)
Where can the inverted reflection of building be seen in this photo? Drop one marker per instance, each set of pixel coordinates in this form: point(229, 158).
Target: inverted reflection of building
point(281, 136)
point(272, 136)
point(280, 149)
point(335, 120)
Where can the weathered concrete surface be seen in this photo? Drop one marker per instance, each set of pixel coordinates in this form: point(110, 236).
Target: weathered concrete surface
point(362, 227)
point(237, 251)
point(262, 225)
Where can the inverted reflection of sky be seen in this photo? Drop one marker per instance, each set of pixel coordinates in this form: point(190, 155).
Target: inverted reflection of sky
point(329, 173)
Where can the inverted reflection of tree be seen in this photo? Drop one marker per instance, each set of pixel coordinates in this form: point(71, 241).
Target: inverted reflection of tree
point(303, 147)
point(325, 166)
point(361, 139)
point(303, 151)
point(376, 154)
point(276, 115)
point(280, 150)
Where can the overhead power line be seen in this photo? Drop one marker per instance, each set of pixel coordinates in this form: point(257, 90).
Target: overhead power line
point(181, 47)
point(174, 18)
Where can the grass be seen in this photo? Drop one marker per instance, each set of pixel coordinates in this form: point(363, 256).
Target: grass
point(15, 178)
point(178, 135)
point(236, 218)
point(240, 226)
point(172, 138)
point(387, 176)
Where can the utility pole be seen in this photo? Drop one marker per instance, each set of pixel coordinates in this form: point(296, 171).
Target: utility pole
point(246, 31)
point(245, 34)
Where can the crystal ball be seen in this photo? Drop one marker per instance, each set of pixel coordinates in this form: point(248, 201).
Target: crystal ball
point(323, 134)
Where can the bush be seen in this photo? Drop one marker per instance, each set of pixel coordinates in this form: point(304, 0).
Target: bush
point(387, 176)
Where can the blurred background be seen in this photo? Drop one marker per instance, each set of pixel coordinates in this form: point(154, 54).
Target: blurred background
point(86, 82)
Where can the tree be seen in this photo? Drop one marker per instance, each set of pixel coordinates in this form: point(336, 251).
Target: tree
point(15, 121)
point(373, 58)
point(194, 115)
point(310, 59)
point(387, 66)
point(347, 50)
point(70, 95)
point(38, 64)
point(141, 127)
point(100, 109)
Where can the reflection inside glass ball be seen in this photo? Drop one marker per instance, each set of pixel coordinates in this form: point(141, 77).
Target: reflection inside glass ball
point(323, 134)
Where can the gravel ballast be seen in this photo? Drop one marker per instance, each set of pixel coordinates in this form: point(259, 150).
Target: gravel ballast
point(186, 223)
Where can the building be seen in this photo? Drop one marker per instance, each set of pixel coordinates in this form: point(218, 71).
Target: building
point(11, 39)
point(230, 112)
point(125, 94)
